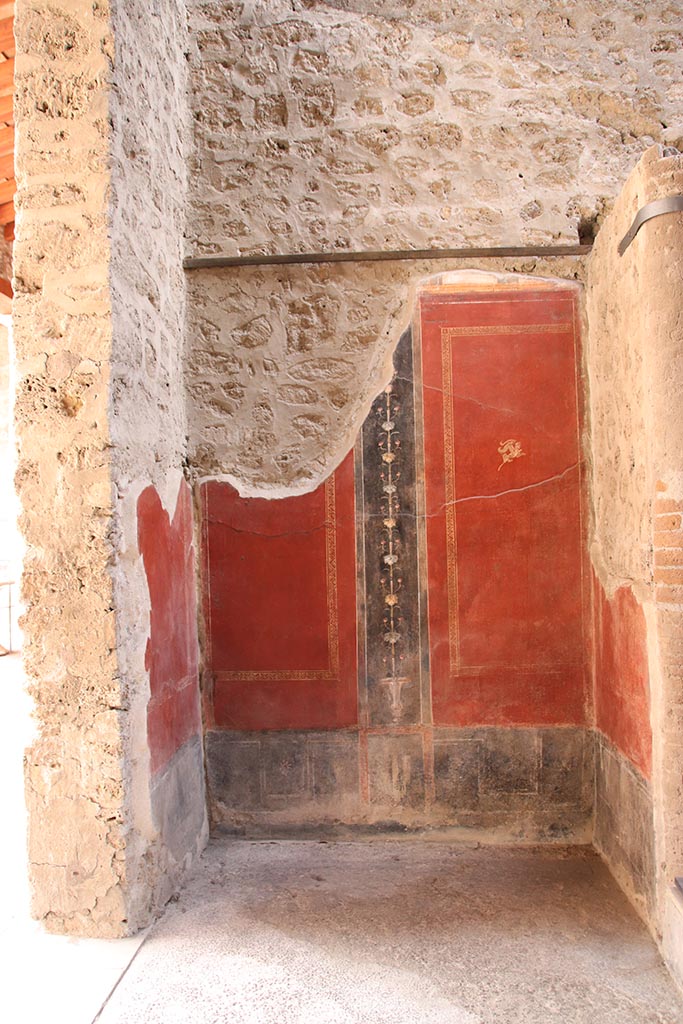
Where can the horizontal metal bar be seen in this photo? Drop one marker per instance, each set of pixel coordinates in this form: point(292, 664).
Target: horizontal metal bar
point(370, 256)
point(670, 204)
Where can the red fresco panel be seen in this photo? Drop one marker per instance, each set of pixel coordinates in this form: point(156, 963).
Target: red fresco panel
point(622, 691)
point(503, 502)
point(280, 606)
point(173, 714)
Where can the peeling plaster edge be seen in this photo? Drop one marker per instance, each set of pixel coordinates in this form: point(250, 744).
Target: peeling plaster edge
point(460, 280)
point(275, 491)
point(612, 581)
point(134, 579)
point(147, 849)
point(129, 576)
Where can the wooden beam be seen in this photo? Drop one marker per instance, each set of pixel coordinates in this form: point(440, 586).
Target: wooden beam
point(7, 77)
point(6, 141)
point(8, 231)
point(379, 256)
point(7, 190)
point(6, 287)
point(7, 109)
point(6, 213)
point(7, 36)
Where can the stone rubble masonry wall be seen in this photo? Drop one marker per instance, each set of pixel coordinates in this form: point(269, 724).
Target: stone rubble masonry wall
point(98, 328)
point(63, 337)
point(354, 125)
point(149, 205)
point(635, 359)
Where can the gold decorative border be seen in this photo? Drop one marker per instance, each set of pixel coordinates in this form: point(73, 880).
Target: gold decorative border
point(331, 559)
point(332, 672)
point(447, 335)
point(456, 289)
point(483, 330)
point(449, 495)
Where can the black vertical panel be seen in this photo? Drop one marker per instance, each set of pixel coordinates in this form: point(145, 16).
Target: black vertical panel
point(391, 571)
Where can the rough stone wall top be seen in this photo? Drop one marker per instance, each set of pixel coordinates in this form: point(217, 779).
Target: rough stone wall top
point(149, 193)
point(358, 124)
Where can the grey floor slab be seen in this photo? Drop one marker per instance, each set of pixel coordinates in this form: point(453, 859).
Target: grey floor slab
point(396, 932)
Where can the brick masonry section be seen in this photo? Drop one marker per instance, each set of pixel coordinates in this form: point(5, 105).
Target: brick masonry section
point(668, 576)
point(529, 784)
point(668, 542)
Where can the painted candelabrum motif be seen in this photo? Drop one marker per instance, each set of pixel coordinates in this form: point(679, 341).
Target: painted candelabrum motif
point(391, 690)
point(391, 581)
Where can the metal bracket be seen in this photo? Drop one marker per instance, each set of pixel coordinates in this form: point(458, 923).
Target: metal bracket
point(655, 209)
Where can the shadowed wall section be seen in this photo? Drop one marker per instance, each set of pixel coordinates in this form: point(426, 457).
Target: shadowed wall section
point(623, 819)
point(406, 643)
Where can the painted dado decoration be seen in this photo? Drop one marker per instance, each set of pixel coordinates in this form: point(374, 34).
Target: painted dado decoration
point(408, 641)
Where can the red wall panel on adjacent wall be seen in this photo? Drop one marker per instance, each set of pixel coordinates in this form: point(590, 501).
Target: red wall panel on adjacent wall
point(503, 493)
point(622, 694)
point(280, 606)
point(173, 713)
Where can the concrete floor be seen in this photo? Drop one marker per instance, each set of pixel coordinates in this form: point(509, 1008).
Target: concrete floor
point(397, 932)
point(390, 931)
point(46, 979)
